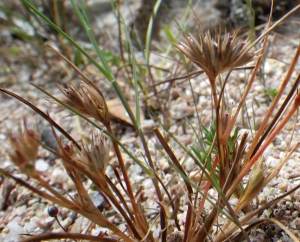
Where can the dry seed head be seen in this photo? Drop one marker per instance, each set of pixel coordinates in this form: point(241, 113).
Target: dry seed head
point(92, 157)
point(86, 100)
point(24, 148)
point(218, 54)
point(69, 154)
point(96, 154)
point(67, 150)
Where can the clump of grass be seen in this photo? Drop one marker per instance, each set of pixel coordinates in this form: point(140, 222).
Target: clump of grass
point(224, 162)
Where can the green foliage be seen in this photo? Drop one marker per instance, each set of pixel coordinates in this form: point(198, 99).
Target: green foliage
point(209, 135)
point(201, 156)
point(272, 92)
point(168, 33)
point(232, 140)
point(112, 58)
point(14, 50)
point(77, 59)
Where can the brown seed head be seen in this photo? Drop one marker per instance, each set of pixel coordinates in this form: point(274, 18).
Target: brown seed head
point(96, 154)
point(92, 158)
point(215, 55)
point(86, 100)
point(24, 148)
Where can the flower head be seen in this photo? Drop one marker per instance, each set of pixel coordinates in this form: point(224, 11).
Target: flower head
point(86, 100)
point(218, 54)
point(24, 148)
point(96, 154)
point(92, 158)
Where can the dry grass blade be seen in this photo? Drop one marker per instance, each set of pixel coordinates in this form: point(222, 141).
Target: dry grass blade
point(52, 236)
point(40, 112)
point(267, 142)
point(277, 98)
point(189, 216)
point(57, 199)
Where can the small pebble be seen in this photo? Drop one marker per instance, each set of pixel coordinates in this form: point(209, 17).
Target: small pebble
point(59, 176)
point(295, 214)
point(66, 223)
point(14, 230)
point(148, 125)
point(32, 201)
point(262, 198)
point(99, 200)
point(164, 165)
point(32, 225)
point(297, 222)
point(21, 210)
point(189, 164)
point(283, 186)
point(41, 165)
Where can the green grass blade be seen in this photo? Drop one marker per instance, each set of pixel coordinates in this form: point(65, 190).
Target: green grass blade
point(137, 119)
point(149, 30)
point(82, 15)
point(67, 37)
point(168, 33)
point(180, 26)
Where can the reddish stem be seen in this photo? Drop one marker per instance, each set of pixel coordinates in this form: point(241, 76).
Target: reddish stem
point(201, 205)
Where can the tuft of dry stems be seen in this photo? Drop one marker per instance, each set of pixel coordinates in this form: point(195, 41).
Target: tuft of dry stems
point(90, 160)
point(215, 55)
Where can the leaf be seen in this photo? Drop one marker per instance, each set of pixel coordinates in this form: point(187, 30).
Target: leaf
point(118, 113)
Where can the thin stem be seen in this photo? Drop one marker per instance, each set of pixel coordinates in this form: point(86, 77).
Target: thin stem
point(221, 151)
point(201, 205)
point(136, 209)
point(171, 155)
point(52, 236)
point(53, 191)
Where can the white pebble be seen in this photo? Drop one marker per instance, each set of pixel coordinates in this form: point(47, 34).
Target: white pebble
point(41, 165)
point(21, 210)
point(59, 177)
point(283, 186)
point(31, 226)
point(189, 165)
point(272, 162)
point(148, 125)
point(14, 230)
